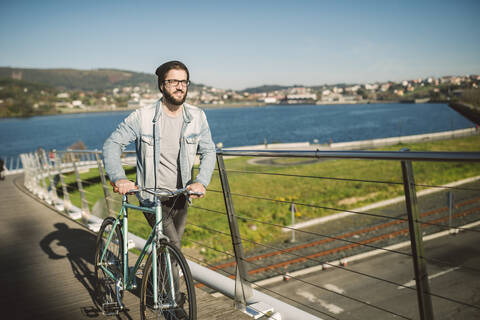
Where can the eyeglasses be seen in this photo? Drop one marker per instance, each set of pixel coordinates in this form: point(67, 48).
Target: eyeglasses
point(174, 82)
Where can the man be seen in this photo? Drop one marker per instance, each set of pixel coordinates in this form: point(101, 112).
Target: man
point(2, 169)
point(167, 135)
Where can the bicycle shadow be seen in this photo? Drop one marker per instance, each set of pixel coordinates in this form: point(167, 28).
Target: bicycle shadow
point(79, 245)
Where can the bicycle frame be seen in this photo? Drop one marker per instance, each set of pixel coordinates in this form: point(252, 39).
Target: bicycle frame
point(128, 280)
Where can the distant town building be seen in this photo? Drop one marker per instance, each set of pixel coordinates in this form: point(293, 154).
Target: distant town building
point(63, 95)
point(301, 98)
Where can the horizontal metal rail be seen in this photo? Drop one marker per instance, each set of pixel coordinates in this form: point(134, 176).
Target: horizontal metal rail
point(353, 154)
point(370, 155)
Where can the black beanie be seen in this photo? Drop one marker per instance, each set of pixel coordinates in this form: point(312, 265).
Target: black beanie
point(167, 66)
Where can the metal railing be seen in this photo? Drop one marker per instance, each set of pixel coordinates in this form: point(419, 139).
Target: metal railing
point(414, 222)
point(40, 178)
point(11, 164)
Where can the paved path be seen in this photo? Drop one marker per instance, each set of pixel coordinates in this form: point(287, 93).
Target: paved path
point(47, 265)
point(455, 281)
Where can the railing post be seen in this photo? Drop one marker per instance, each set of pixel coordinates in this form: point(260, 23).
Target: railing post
point(32, 172)
point(243, 289)
point(52, 186)
point(450, 209)
point(42, 184)
point(67, 204)
point(85, 209)
point(27, 180)
point(416, 242)
point(293, 209)
point(106, 189)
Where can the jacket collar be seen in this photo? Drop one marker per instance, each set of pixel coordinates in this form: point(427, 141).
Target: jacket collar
point(158, 110)
point(187, 116)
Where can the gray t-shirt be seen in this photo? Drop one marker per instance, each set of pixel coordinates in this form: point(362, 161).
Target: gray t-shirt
point(168, 168)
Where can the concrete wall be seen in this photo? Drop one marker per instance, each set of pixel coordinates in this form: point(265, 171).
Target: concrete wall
point(363, 144)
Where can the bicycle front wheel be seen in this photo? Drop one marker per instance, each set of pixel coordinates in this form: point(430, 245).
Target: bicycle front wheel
point(105, 290)
point(176, 292)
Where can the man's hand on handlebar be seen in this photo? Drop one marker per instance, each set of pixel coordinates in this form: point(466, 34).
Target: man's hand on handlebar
point(123, 186)
point(197, 188)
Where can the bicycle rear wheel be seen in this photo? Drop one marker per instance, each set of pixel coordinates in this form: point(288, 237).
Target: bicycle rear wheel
point(183, 305)
point(105, 290)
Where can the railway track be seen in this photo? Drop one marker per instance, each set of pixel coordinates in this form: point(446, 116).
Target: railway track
point(330, 248)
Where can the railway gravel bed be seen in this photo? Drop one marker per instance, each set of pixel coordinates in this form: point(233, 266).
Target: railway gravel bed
point(337, 239)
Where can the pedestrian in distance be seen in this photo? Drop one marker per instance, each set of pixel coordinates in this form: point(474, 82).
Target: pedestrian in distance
point(167, 135)
point(2, 169)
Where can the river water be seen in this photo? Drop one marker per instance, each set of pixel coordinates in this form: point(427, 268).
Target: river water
point(244, 126)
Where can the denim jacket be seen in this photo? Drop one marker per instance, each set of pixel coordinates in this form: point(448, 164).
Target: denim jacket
point(143, 127)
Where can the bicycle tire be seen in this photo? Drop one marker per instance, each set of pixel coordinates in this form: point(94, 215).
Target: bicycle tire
point(185, 297)
point(105, 292)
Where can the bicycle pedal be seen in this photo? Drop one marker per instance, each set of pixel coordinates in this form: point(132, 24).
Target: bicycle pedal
point(139, 272)
point(111, 308)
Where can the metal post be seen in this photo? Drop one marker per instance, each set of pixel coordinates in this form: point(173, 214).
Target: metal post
point(67, 204)
point(416, 242)
point(40, 177)
point(243, 289)
point(51, 186)
point(18, 164)
point(27, 180)
point(85, 209)
point(106, 189)
point(32, 183)
point(450, 208)
point(292, 210)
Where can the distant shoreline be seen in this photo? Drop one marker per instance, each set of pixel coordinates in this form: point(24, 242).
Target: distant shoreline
point(222, 106)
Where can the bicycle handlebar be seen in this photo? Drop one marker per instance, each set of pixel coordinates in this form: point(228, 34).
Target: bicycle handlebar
point(166, 193)
point(160, 192)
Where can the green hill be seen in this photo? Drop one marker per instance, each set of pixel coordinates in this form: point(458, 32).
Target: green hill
point(23, 99)
point(72, 79)
point(264, 88)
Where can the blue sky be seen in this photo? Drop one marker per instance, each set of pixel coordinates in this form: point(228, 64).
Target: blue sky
point(248, 43)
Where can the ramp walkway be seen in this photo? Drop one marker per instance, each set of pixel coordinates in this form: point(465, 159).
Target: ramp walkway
point(47, 267)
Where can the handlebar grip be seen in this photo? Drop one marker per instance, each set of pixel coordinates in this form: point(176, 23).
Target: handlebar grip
point(115, 188)
point(192, 193)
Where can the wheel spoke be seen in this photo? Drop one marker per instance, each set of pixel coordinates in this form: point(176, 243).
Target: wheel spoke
point(173, 303)
point(105, 291)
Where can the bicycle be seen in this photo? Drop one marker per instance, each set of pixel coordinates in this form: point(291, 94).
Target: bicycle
point(167, 290)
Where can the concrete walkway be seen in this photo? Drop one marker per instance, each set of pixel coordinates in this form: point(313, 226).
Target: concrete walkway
point(47, 265)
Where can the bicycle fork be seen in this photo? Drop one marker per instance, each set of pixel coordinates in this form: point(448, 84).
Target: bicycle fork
point(159, 230)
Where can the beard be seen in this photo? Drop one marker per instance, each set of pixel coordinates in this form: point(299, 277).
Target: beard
point(172, 100)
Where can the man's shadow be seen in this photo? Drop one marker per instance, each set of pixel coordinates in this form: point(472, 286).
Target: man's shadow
point(80, 246)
